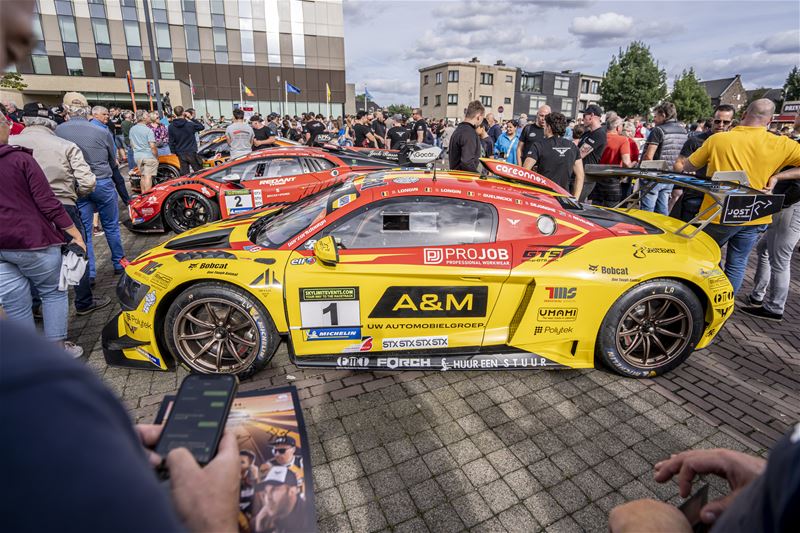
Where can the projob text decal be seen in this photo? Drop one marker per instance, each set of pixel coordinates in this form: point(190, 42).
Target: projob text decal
point(414, 343)
point(431, 302)
point(463, 256)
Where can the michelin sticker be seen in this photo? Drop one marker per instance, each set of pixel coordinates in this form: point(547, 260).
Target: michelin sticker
point(332, 334)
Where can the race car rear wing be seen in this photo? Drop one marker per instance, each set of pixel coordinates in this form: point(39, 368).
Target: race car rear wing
point(522, 175)
point(732, 198)
point(409, 155)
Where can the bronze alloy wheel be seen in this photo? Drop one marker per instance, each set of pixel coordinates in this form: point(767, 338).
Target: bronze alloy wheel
point(215, 335)
point(654, 331)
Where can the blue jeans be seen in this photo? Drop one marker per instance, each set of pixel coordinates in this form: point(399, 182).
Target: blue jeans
point(657, 199)
point(104, 201)
point(131, 162)
point(83, 290)
point(22, 269)
point(740, 241)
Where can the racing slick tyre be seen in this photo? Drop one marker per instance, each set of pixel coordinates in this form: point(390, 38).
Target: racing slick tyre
point(216, 328)
point(164, 173)
point(650, 329)
point(187, 209)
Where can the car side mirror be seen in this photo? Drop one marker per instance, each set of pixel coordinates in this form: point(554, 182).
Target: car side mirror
point(232, 178)
point(325, 250)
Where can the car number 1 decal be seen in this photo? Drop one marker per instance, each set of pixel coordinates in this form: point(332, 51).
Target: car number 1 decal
point(329, 307)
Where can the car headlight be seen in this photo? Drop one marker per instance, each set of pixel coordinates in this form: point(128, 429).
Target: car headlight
point(130, 292)
point(546, 224)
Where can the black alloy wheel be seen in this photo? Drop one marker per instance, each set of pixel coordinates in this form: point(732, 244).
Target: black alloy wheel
point(165, 173)
point(187, 209)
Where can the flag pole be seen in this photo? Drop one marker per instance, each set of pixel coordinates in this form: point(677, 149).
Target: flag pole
point(286, 95)
point(328, 99)
point(280, 99)
point(241, 97)
point(191, 89)
point(150, 95)
point(130, 89)
point(366, 96)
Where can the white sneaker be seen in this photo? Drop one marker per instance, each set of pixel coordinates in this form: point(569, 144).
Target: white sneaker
point(73, 349)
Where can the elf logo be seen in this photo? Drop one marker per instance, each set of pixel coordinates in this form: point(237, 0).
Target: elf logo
point(561, 293)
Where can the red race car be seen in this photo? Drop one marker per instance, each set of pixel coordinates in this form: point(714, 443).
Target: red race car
point(262, 178)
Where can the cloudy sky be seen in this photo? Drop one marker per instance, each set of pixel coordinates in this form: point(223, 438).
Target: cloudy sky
point(386, 41)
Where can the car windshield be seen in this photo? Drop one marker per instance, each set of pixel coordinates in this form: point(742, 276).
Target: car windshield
point(294, 219)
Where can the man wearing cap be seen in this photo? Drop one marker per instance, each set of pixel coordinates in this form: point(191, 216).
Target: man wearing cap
point(263, 137)
point(101, 155)
point(183, 140)
point(279, 505)
point(284, 449)
point(66, 169)
point(592, 144)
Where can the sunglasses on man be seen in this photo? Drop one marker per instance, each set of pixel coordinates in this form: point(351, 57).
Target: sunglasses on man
point(719, 121)
point(281, 450)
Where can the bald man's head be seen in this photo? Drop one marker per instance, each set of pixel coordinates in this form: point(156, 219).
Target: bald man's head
point(759, 113)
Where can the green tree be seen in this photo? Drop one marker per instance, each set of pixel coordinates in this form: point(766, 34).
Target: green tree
point(12, 80)
point(633, 83)
point(791, 89)
point(401, 109)
point(690, 98)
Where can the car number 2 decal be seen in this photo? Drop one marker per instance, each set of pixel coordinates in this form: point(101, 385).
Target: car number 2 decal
point(238, 201)
point(329, 306)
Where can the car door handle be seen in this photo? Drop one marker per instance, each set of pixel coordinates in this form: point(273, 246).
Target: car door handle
point(470, 278)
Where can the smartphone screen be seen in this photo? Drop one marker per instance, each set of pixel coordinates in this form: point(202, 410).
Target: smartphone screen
point(198, 416)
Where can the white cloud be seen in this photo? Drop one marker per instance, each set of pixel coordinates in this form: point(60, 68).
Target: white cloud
point(786, 42)
point(602, 26)
point(757, 69)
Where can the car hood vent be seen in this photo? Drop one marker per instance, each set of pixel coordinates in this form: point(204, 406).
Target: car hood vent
point(202, 241)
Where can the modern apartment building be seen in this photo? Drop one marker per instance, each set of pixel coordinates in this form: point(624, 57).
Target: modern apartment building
point(590, 90)
point(89, 45)
point(559, 90)
point(446, 89)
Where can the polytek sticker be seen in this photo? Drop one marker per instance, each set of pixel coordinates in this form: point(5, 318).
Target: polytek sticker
point(414, 343)
point(333, 334)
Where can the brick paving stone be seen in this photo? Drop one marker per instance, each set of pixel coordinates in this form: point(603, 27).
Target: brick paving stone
point(346, 469)
point(569, 496)
point(565, 525)
point(335, 524)
point(480, 472)
point(413, 471)
point(328, 502)
point(493, 525)
point(375, 460)
point(591, 484)
point(401, 450)
point(398, 507)
point(544, 508)
point(517, 519)
point(472, 509)
point(546, 472)
point(498, 495)
point(454, 483)
point(356, 493)
point(386, 482)
point(487, 441)
point(443, 519)
point(427, 495)
point(440, 460)
point(415, 525)
point(367, 518)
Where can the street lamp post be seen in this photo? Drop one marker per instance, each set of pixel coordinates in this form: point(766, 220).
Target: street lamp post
point(153, 65)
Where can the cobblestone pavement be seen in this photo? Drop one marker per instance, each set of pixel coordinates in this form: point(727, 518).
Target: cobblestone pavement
point(505, 450)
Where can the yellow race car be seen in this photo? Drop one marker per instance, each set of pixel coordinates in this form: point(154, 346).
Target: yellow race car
point(426, 269)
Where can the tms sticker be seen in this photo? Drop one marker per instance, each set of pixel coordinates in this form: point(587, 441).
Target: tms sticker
point(431, 302)
point(149, 301)
point(150, 267)
point(332, 334)
point(414, 343)
point(561, 293)
point(557, 314)
point(352, 362)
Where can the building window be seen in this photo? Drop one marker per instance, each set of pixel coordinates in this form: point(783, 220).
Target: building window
point(596, 87)
point(68, 32)
point(298, 35)
point(536, 103)
point(248, 46)
point(100, 30)
point(74, 66)
point(424, 100)
point(509, 79)
point(97, 9)
point(487, 78)
point(273, 31)
point(162, 36)
point(425, 79)
point(506, 100)
point(584, 86)
point(167, 70)
point(106, 67)
point(437, 100)
point(220, 40)
point(218, 7)
point(567, 107)
point(221, 57)
point(192, 38)
point(531, 84)
point(452, 75)
point(137, 69)
point(486, 101)
point(561, 86)
point(438, 78)
point(193, 56)
point(41, 64)
point(132, 36)
point(452, 99)
point(64, 7)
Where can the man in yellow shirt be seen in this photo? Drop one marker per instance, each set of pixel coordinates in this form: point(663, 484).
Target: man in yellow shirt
point(749, 147)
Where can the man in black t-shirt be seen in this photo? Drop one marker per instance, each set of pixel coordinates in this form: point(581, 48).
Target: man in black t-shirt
point(592, 143)
point(532, 132)
point(263, 137)
point(398, 134)
point(465, 145)
point(418, 126)
point(311, 129)
point(364, 138)
point(379, 128)
point(555, 157)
